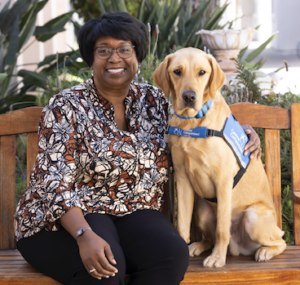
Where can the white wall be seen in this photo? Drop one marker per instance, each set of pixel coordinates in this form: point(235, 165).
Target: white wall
point(286, 19)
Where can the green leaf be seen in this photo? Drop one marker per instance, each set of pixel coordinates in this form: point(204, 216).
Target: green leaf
point(121, 6)
point(13, 44)
point(42, 31)
point(103, 7)
point(2, 77)
point(259, 64)
point(34, 78)
point(141, 11)
point(70, 62)
point(199, 12)
point(6, 85)
point(215, 17)
point(170, 19)
point(242, 52)
point(153, 13)
point(257, 51)
point(27, 32)
point(1, 57)
point(18, 9)
point(52, 27)
point(188, 12)
point(4, 11)
point(50, 58)
point(32, 12)
point(77, 27)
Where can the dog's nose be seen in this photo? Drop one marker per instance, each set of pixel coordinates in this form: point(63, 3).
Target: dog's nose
point(189, 96)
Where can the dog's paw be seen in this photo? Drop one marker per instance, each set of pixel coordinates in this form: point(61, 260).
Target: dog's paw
point(195, 249)
point(264, 253)
point(213, 261)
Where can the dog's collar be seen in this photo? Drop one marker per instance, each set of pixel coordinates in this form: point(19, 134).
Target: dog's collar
point(201, 113)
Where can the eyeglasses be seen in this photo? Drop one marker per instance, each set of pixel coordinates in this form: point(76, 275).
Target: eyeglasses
point(122, 51)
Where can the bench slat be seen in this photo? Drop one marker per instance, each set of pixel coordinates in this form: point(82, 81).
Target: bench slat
point(273, 169)
point(32, 150)
point(279, 277)
point(28, 280)
point(295, 143)
point(251, 114)
point(20, 121)
point(7, 191)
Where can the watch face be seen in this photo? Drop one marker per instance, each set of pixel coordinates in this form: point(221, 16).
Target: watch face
point(79, 232)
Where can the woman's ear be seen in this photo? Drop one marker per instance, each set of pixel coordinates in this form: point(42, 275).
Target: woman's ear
point(161, 75)
point(217, 77)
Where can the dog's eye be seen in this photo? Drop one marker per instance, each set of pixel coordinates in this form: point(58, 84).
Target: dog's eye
point(177, 72)
point(202, 72)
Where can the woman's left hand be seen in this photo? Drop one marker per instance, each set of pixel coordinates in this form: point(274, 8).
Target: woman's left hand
point(253, 146)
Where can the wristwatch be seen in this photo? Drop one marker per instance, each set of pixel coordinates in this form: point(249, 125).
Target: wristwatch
point(80, 232)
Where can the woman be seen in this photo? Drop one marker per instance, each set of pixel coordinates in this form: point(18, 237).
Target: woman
point(91, 211)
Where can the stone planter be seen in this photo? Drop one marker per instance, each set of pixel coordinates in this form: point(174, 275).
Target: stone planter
point(226, 45)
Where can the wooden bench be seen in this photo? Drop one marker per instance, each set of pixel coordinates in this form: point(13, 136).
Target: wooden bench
point(283, 269)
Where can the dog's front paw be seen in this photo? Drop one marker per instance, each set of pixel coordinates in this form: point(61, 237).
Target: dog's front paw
point(213, 261)
point(264, 253)
point(196, 248)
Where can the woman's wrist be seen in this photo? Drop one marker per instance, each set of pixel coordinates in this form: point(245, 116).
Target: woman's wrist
point(74, 220)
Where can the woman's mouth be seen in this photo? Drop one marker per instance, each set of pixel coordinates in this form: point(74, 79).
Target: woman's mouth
point(116, 70)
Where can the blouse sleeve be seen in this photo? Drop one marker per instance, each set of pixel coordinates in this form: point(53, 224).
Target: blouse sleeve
point(55, 168)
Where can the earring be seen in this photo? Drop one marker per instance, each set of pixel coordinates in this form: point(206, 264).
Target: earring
point(92, 72)
point(138, 71)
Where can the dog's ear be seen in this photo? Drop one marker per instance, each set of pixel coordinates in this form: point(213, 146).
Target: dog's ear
point(161, 75)
point(217, 76)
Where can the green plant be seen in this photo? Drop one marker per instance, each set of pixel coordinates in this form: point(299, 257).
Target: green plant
point(89, 9)
point(247, 77)
point(177, 23)
point(61, 79)
point(248, 60)
point(17, 25)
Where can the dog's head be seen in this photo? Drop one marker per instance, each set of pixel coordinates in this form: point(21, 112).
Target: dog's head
point(192, 77)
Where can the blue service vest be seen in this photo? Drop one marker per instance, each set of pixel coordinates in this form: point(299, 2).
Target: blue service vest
point(232, 133)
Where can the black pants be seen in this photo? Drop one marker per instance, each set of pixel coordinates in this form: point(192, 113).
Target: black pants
point(144, 243)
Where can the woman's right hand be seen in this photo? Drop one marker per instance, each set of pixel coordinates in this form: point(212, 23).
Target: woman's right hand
point(96, 254)
point(94, 251)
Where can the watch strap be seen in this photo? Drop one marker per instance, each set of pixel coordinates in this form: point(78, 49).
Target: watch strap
point(80, 231)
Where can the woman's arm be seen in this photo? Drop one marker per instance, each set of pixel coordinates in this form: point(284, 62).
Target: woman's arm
point(94, 251)
point(253, 146)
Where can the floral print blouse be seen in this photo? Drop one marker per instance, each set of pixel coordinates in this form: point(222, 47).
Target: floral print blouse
point(85, 161)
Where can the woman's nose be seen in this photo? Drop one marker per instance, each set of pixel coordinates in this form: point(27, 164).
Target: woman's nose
point(114, 56)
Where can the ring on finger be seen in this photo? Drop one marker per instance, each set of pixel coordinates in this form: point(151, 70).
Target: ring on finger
point(92, 270)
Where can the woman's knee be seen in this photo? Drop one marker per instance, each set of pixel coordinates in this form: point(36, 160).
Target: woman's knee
point(177, 254)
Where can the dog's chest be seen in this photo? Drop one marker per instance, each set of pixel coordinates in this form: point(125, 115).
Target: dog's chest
point(197, 161)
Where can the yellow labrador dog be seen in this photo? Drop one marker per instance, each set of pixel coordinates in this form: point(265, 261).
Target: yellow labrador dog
point(243, 221)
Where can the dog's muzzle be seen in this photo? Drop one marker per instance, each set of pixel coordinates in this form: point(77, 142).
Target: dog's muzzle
point(189, 97)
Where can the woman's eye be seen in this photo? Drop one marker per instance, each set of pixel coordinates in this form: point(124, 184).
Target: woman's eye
point(177, 71)
point(103, 50)
point(202, 72)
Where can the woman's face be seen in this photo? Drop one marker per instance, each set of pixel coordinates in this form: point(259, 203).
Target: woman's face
point(114, 71)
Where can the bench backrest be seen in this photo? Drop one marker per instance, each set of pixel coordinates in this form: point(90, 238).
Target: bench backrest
point(269, 118)
point(11, 124)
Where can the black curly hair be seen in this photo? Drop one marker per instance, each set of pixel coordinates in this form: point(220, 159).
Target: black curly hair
point(119, 25)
